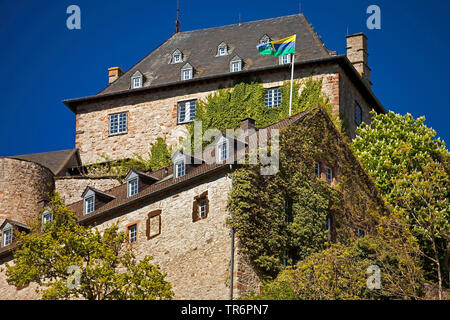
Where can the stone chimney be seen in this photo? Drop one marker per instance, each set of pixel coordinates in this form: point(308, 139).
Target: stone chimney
point(114, 73)
point(247, 124)
point(358, 56)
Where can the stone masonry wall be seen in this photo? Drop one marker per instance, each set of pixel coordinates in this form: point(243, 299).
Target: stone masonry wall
point(195, 255)
point(8, 292)
point(23, 185)
point(154, 114)
point(71, 188)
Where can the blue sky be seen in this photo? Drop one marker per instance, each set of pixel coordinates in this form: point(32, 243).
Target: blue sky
point(43, 63)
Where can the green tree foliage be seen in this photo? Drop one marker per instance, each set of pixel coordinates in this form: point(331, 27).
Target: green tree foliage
point(160, 155)
point(109, 269)
point(340, 273)
point(411, 168)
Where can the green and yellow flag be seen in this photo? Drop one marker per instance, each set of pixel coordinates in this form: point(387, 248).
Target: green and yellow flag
point(278, 48)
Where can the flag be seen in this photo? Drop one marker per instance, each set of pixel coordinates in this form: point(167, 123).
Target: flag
point(278, 48)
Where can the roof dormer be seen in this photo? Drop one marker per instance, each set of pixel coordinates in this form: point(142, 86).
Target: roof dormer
point(8, 228)
point(264, 39)
point(222, 50)
point(177, 57)
point(137, 80)
point(236, 64)
point(187, 72)
point(179, 164)
point(94, 199)
point(137, 181)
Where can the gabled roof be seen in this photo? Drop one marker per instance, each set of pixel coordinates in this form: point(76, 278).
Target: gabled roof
point(98, 192)
point(199, 47)
point(57, 161)
point(14, 224)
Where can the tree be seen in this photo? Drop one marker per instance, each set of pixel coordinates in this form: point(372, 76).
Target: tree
point(411, 168)
point(340, 273)
point(106, 266)
point(160, 154)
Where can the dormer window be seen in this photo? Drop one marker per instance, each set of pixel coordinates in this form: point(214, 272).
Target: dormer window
point(286, 59)
point(7, 235)
point(179, 164)
point(222, 149)
point(89, 205)
point(236, 64)
point(137, 80)
point(47, 216)
point(265, 39)
point(132, 183)
point(186, 72)
point(177, 57)
point(222, 50)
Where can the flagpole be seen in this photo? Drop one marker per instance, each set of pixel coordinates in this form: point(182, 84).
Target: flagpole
point(292, 82)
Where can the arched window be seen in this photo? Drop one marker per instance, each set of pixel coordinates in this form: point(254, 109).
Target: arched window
point(358, 114)
point(222, 49)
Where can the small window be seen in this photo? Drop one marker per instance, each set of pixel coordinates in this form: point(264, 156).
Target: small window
point(200, 209)
point(47, 216)
point(273, 98)
point(186, 72)
point(89, 205)
point(236, 66)
point(286, 59)
point(177, 57)
point(117, 123)
point(265, 39)
point(136, 82)
point(180, 169)
point(222, 149)
point(288, 204)
point(329, 175)
point(7, 236)
point(317, 169)
point(132, 233)
point(358, 114)
point(132, 187)
point(186, 111)
point(222, 50)
point(202, 206)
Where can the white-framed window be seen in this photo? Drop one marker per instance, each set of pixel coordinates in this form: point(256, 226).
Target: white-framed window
point(317, 169)
point(89, 204)
point(47, 216)
point(222, 149)
point(180, 168)
point(236, 66)
point(132, 187)
point(273, 97)
point(136, 82)
point(329, 175)
point(186, 72)
point(117, 123)
point(202, 206)
point(286, 59)
point(265, 39)
point(177, 57)
point(222, 50)
point(132, 233)
point(358, 114)
point(7, 235)
point(186, 111)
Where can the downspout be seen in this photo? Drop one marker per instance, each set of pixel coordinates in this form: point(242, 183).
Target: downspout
point(232, 242)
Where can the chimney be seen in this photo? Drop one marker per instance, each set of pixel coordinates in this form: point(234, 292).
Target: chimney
point(114, 73)
point(358, 56)
point(247, 124)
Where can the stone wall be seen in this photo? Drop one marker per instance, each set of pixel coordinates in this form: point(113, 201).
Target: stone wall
point(71, 188)
point(23, 187)
point(154, 114)
point(195, 255)
point(8, 292)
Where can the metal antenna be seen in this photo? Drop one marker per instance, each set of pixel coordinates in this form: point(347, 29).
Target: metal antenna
point(239, 19)
point(177, 23)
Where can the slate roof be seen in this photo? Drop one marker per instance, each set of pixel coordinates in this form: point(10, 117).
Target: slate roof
point(56, 161)
point(199, 48)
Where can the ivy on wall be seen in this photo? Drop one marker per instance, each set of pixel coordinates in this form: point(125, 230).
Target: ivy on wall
point(285, 215)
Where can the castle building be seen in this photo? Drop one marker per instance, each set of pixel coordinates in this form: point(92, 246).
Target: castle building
point(178, 214)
